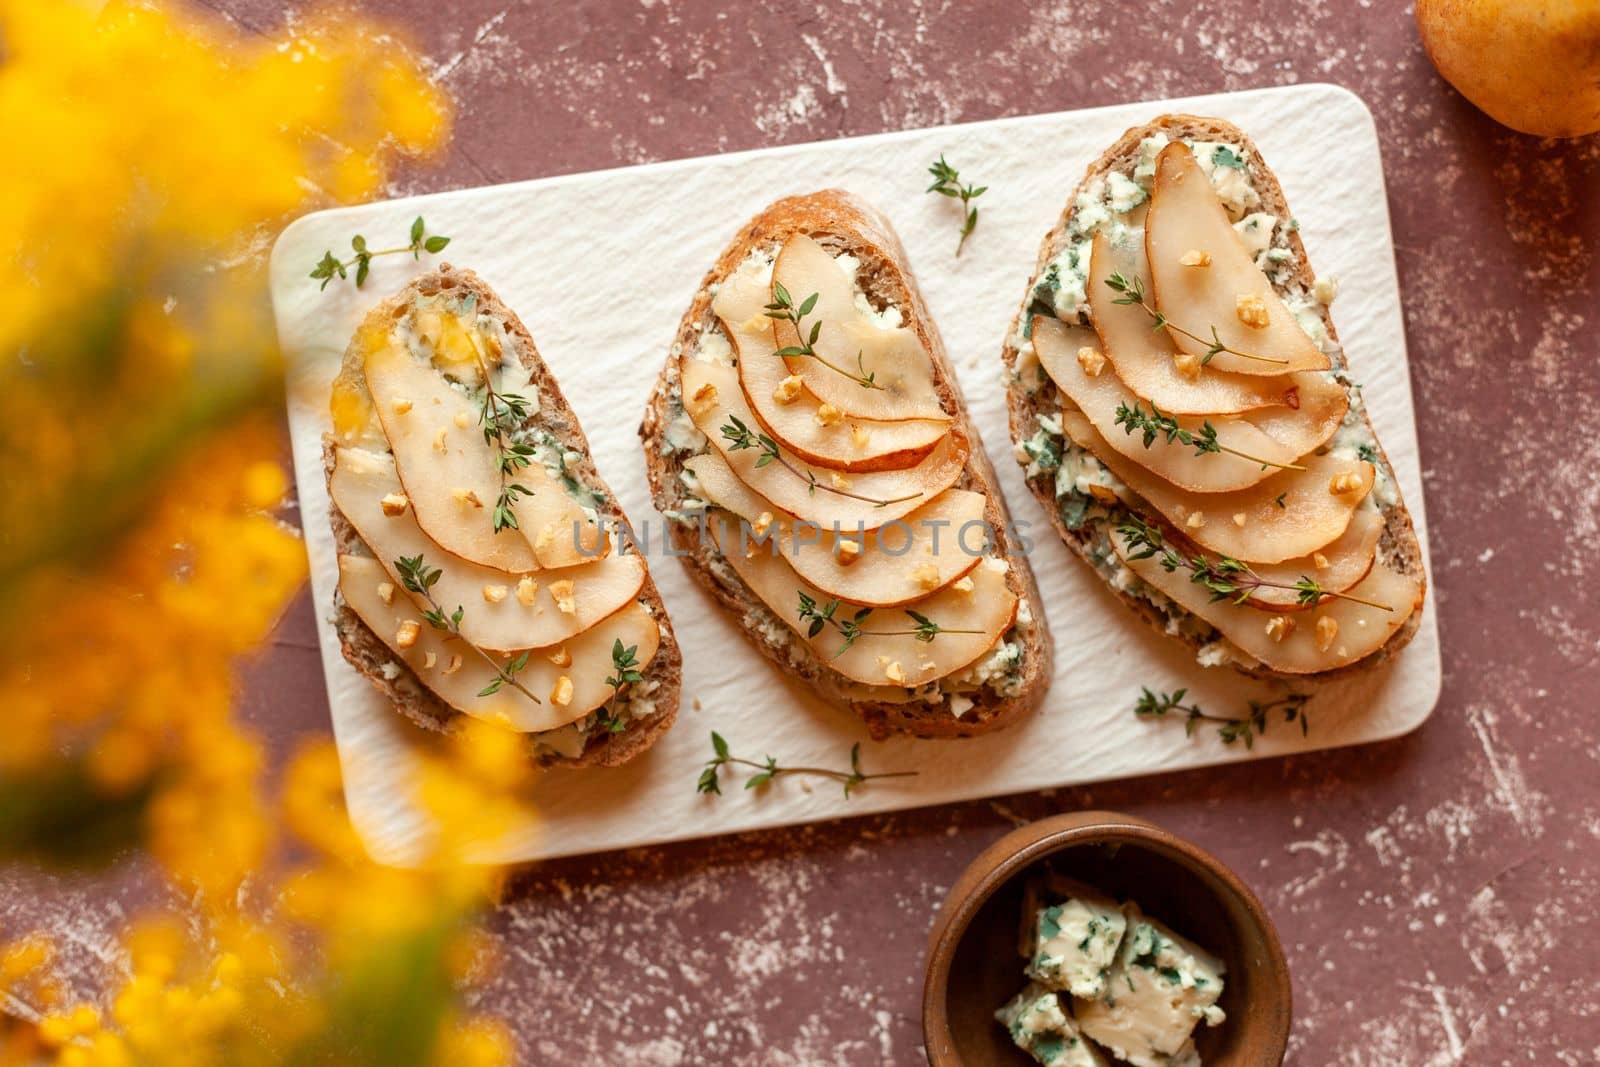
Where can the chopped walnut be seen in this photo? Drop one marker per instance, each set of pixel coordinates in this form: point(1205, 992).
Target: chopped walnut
point(704, 397)
point(1345, 483)
point(407, 634)
point(1327, 630)
point(564, 594)
point(788, 389)
point(561, 692)
point(1252, 311)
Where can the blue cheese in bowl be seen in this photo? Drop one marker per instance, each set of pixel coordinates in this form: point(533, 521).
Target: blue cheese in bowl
point(1107, 984)
point(1038, 1021)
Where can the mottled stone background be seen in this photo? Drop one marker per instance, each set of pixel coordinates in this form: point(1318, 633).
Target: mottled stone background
point(1436, 895)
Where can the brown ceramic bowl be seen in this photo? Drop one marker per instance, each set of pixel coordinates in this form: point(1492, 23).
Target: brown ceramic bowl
point(974, 967)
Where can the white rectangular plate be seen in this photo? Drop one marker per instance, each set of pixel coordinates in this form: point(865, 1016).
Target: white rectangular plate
point(601, 266)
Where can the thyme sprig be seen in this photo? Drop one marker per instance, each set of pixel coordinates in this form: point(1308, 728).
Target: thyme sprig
point(1158, 423)
point(739, 437)
point(820, 617)
point(419, 578)
point(768, 769)
point(1225, 578)
point(1230, 728)
point(947, 182)
point(1132, 290)
point(500, 414)
point(783, 309)
point(625, 665)
point(331, 266)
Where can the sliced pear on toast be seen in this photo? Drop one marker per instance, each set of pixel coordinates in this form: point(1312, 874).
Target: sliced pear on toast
point(453, 479)
point(1143, 356)
point(1334, 634)
point(716, 404)
point(790, 411)
point(454, 672)
point(1101, 395)
point(1300, 411)
point(850, 349)
point(905, 561)
point(889, 650)
point(507, 612)
point(1225, 291)
point(1289, 515)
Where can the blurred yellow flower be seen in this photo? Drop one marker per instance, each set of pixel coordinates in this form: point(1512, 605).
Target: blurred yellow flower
point(154, 154)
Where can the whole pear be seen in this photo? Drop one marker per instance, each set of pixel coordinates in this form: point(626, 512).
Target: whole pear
point(1533, 65)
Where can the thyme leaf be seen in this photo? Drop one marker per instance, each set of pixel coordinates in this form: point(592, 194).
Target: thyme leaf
point(330, 266)
point(947, 182)
point(768, 768)
point(1230, 728)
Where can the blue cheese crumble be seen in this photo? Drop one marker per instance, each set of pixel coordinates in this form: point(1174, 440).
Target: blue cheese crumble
point(1039, 1024)
point(1160, 988)
point(1075, 944)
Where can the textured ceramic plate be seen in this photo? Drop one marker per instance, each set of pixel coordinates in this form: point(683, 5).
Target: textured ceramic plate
point(601, 266)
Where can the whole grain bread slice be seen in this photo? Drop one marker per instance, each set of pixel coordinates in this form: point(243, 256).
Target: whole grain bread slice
point(368, 653)
point(1398, 546)
point(843, 223)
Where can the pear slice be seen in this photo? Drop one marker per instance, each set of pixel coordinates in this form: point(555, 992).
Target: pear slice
point(1356, 629)
point(1100, 395)
point(452, 477)
point(1299, 411)
point(917, 555)
point(458, 674)
point(1143, 355)
point(1186, 216)
point(851, 443)
point(849, 346)
point(1338, 566)
point(1290, 515)
point(713, 399)
point(503, 612)
point(989, 607)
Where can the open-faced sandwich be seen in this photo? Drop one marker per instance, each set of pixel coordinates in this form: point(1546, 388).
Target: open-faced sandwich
point(808, 443)
point(477, 571)
point(1186, 415)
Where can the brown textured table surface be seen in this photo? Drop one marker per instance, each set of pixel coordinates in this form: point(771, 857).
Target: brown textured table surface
point(1435, 894)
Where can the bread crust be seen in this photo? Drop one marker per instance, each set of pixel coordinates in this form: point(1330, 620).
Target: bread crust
point(1398, 546)
point(368, 653)
point(842, 222)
